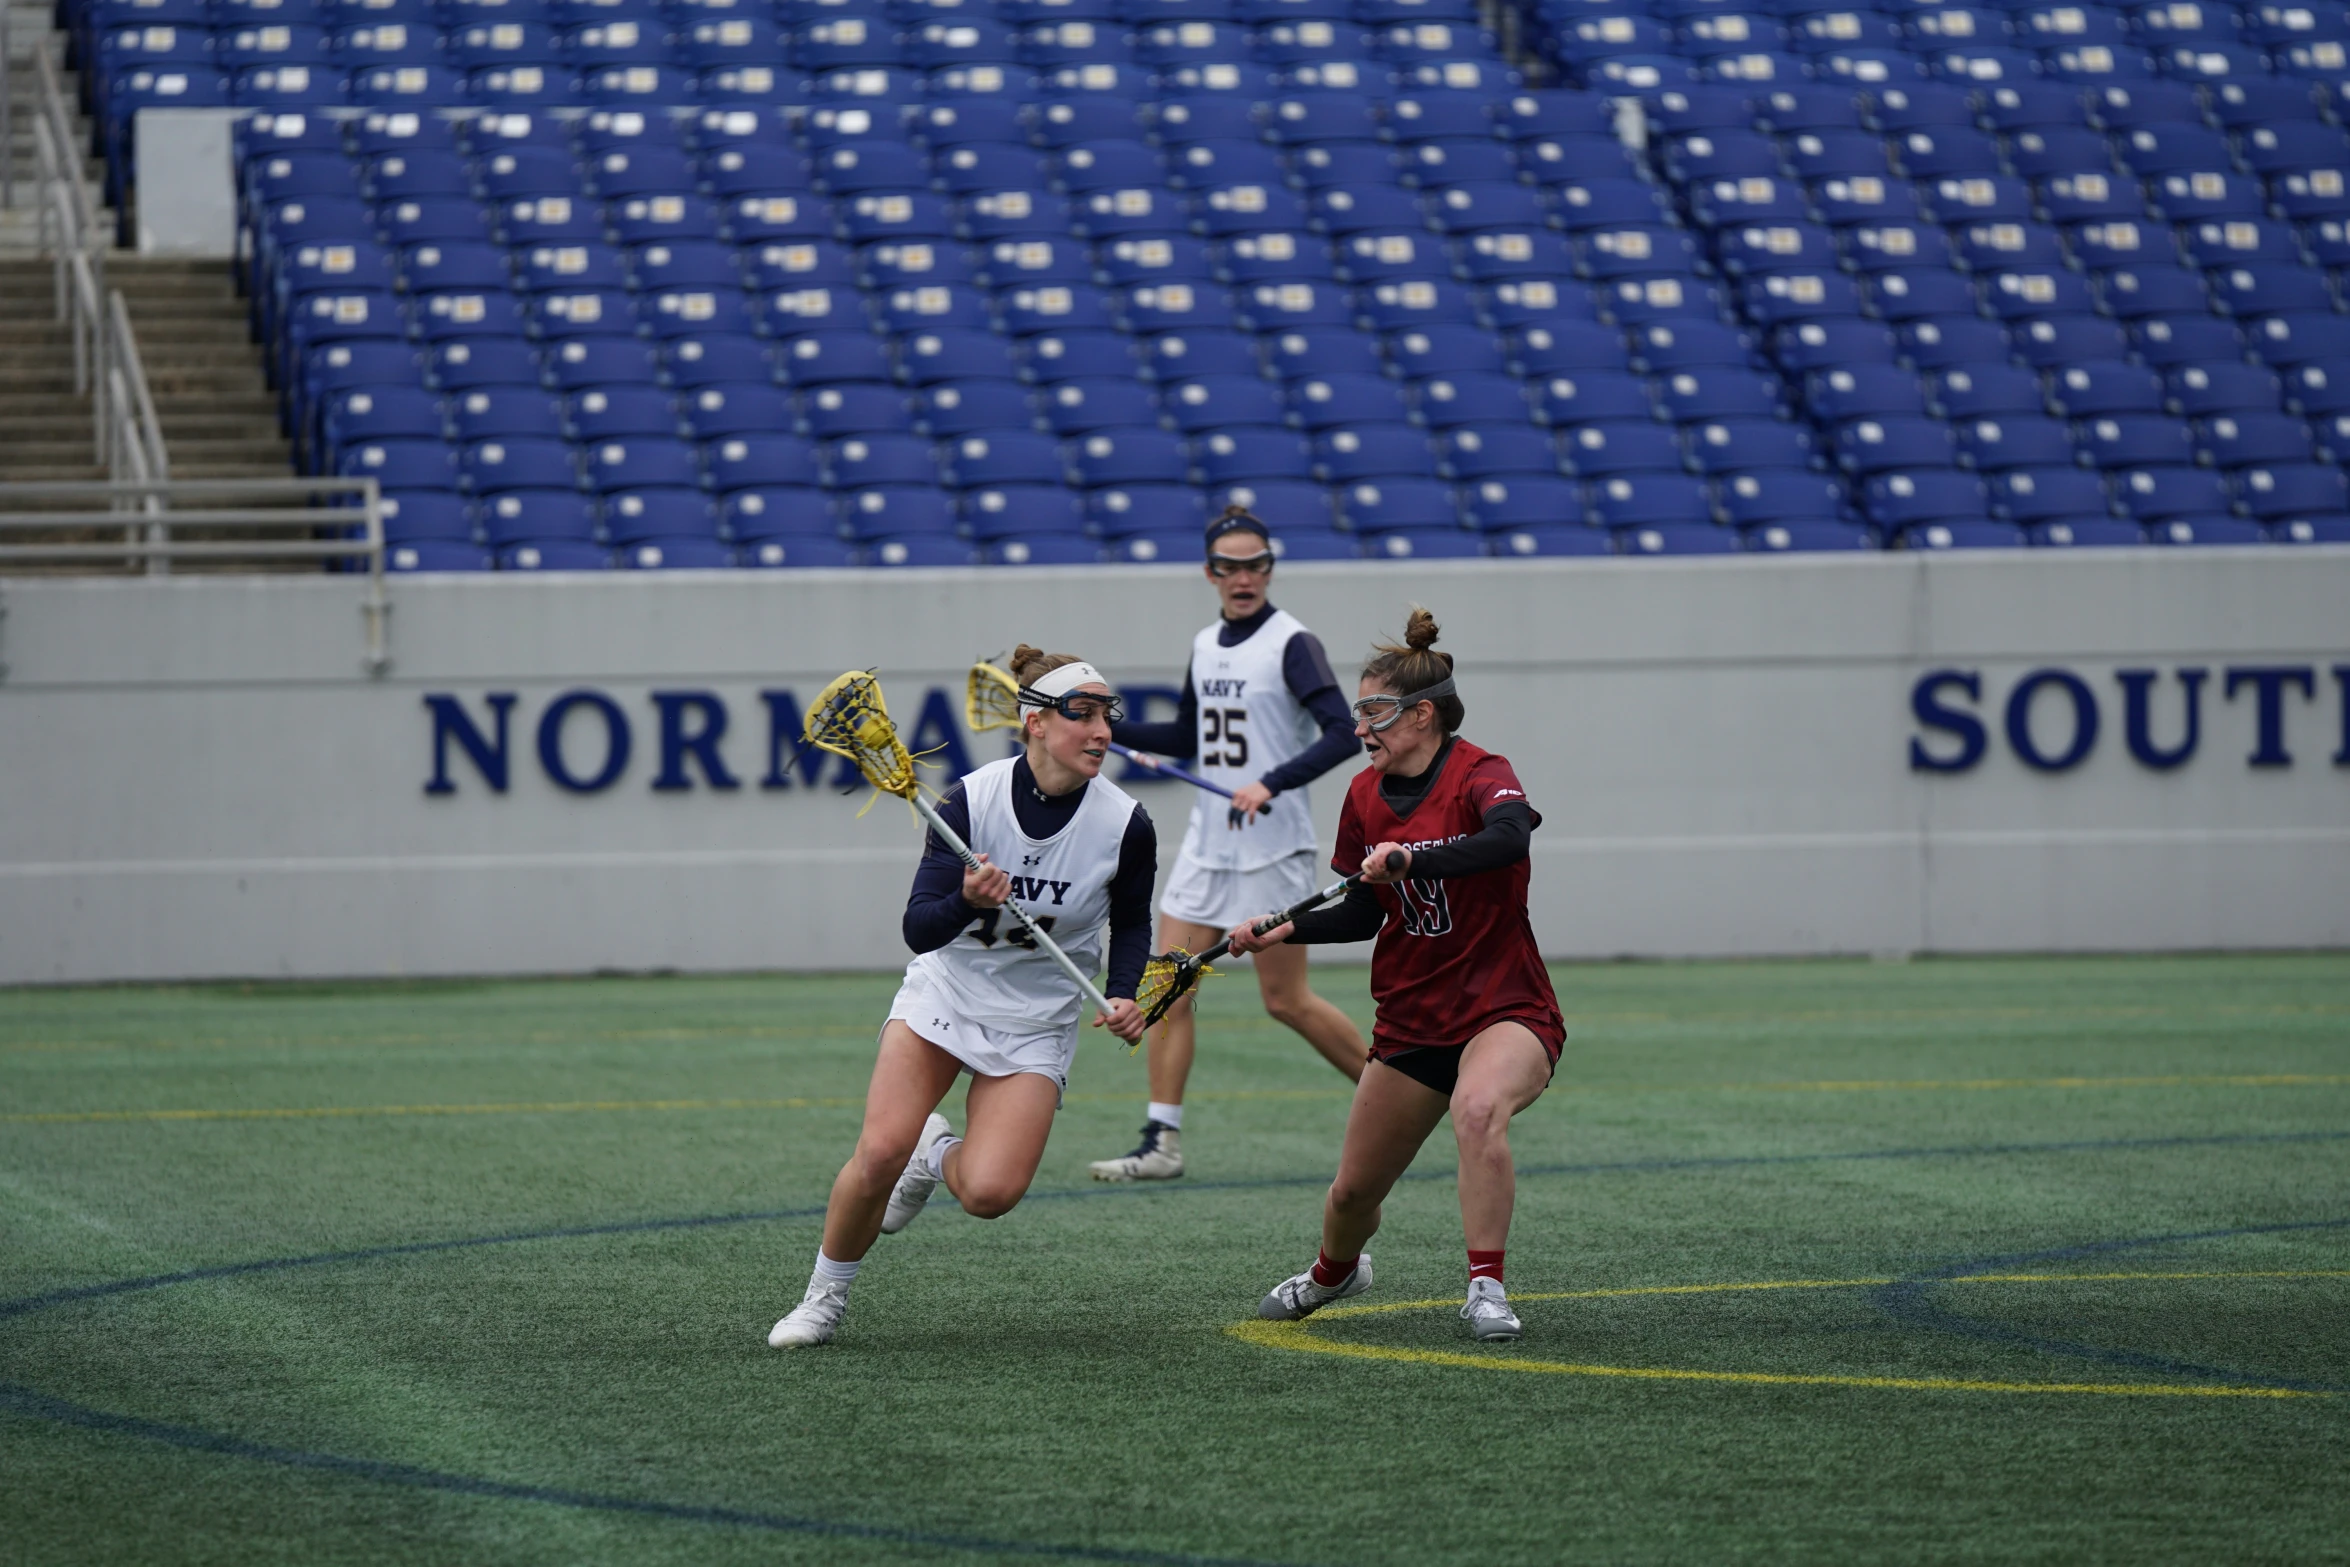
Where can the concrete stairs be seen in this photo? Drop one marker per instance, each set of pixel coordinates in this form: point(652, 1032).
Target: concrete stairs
point(29, 30)
point(219, 418)
point(45, 429)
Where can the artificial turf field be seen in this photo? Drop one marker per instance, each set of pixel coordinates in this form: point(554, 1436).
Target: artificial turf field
point(2059, 1256)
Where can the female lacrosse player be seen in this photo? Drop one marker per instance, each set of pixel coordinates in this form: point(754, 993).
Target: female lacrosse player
point(1467, 1021)
point(981, 996)
point(1262, 715)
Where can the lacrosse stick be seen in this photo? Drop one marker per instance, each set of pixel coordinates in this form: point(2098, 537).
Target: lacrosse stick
point(991, 700)
point(1170, 976)
point(848, 718)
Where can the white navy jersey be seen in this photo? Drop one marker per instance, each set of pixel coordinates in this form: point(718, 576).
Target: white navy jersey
point(1249, 724)
point(993, 972)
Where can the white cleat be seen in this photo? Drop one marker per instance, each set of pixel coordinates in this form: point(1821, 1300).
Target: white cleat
point(915, 1186)
point(1302, 1297)
point(1487, 1312)
point(815, 1319)
point(1160, 1158)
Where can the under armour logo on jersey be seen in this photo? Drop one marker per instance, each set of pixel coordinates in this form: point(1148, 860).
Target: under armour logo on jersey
point(1232, 688)
point(1031, 889)
point(1030, 859)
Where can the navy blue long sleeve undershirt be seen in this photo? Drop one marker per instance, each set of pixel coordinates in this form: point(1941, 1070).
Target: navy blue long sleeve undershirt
point(936, 912)
point(1305, 670)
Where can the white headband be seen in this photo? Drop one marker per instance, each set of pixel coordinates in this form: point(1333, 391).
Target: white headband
point(1060, 682)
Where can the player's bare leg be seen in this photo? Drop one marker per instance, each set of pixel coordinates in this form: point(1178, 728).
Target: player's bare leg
point(1290, 999)
point(1159, 1157)
point(1009, 1119)
point(1391, 1117)
point(1503, 1070)
point(910, 1077)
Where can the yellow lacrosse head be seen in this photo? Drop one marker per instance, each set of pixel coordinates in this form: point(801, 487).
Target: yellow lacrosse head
point(991, 699)
point(849, 718)
point(1165, 979)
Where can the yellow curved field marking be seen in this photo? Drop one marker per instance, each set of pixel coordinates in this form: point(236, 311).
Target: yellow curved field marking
point(843, 1101)
point(1294, 1336)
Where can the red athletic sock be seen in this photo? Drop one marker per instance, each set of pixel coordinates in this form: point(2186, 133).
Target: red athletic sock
point(1485, 1265)
point(1330, 1274)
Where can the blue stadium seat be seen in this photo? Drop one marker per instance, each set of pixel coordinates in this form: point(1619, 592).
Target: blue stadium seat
point(756, 461)
point(2035, 494)
point(706, 361)
point(2240, 439)
point(2086, 533)
point(1154, 509)
point(520, 516)
point(778, 512)
point(1650, 500)
point(1785, 495)
point(402, 464)
point(1129, 456)
point(1253, 453)
point(1423, 544)
point(1074, 406)
point(1958, 534)
point(2291, 489)
point(1731, 446)
point(1844, 392)
point(1903, 499)
point(1013, 457)
point(641, 462)
point(1003, 511)
point(1385, 506)
point(1504, 449)
point(2332, 528)
point(1875, 444)
point(2210, 528)
point(1178, 356)
point(2150, 493)
point(2200, 390)
point(420, 515)
point(674, 554)
point(2164, 341)
point(2109, 386)
point(1349, 452)
point(1215, 402)
point(1523, 543)
point(519, 463)
point(436, 555)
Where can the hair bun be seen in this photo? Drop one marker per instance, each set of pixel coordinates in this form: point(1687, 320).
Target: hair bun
point(1419, 632)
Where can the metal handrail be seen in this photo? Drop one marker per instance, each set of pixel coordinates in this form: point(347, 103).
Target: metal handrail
point(127, 432)
point(166, 508)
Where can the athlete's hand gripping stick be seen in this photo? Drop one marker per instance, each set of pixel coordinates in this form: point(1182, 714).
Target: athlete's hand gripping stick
point(1170, 976)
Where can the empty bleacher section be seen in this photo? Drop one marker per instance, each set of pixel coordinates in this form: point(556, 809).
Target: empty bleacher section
point(590, 282)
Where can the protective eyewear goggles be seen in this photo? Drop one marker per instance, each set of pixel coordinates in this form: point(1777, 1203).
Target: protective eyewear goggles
point(1078, 707)
point(1380, 713)
point(1226, 565)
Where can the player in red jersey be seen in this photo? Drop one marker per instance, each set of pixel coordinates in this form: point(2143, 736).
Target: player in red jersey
point(1467, 1020)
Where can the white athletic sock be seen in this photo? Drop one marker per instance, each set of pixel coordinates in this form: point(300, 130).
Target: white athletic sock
point(838, 1272)
point(938, 1155)
point(1167, 1115)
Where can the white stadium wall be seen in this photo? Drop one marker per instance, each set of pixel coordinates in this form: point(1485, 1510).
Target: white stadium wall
point(1732, 756)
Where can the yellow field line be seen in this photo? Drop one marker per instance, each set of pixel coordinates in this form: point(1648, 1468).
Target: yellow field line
point(853, 1030)
point(559, 1107)
point(1294, 1336)
point(836, 1102)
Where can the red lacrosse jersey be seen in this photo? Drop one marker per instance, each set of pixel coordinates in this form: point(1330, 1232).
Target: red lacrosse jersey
point(1455, 956)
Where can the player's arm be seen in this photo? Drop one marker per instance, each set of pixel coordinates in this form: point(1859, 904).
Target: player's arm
point(1503, 840)
point(1130, 924)
point(1356, 917)
point(1130, 905)
point(946, 897)
point(1177, 738)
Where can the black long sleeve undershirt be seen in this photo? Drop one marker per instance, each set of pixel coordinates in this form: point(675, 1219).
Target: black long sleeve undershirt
point(1305, 670)
point(936, 911)
point(1504, 839)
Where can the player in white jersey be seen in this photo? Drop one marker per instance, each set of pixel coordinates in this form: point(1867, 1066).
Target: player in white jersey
point(1262, 715)
point(980, 996)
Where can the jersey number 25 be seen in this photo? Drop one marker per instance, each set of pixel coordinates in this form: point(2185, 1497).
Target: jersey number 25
point(1222, 725)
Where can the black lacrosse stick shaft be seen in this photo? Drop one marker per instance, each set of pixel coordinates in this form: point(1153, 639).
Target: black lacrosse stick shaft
point(1192, 963)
